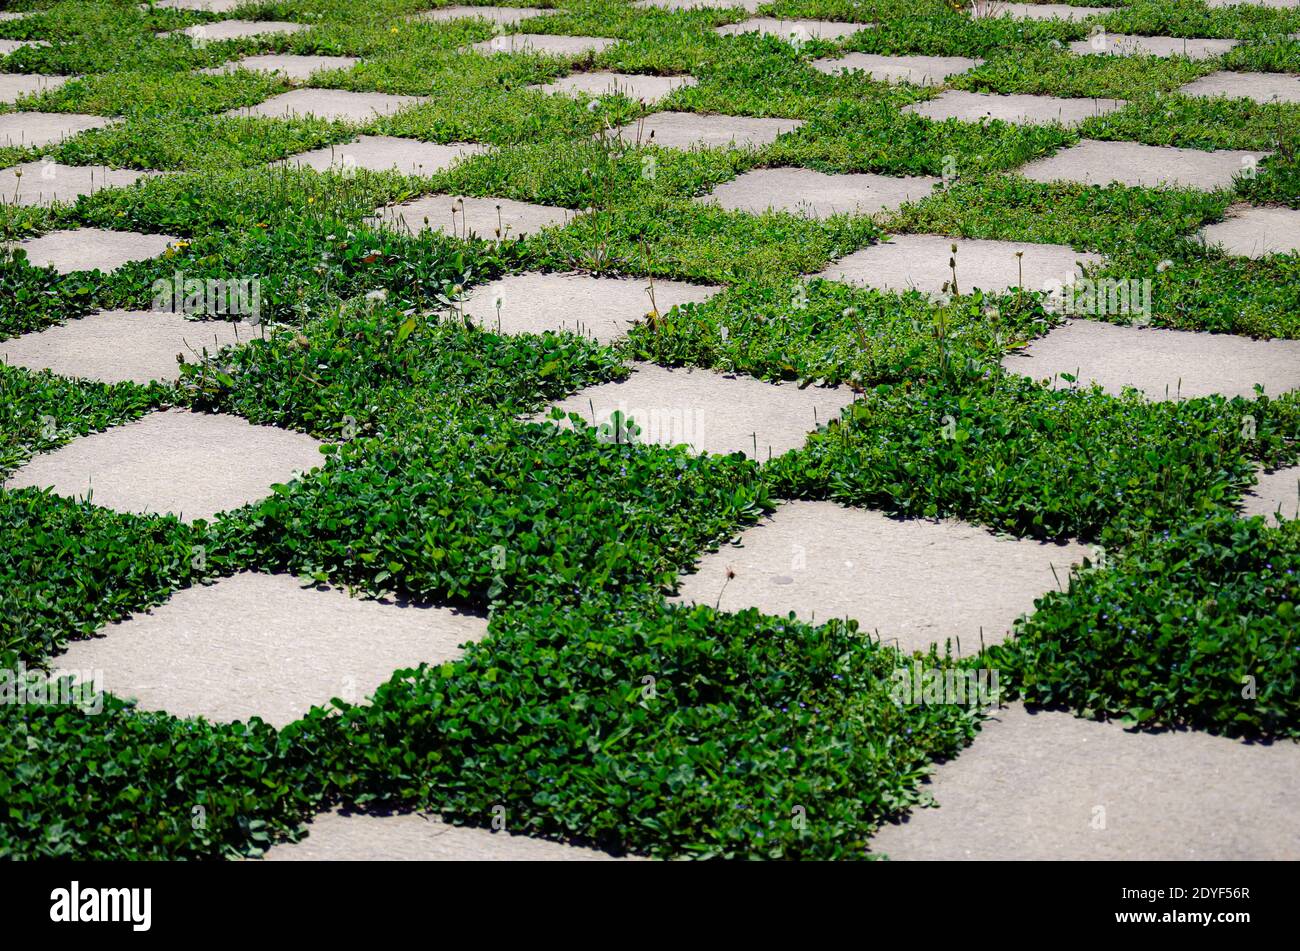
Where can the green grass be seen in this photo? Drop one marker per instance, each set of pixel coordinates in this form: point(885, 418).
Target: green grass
point(1195, 628)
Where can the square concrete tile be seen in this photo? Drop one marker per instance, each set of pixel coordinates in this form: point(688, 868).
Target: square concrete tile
point(12, 16)
point(296, 68)
point(205, 6)
point(688, 130)
point(1255, 232)
point(750, 6)
point(916, 581)
point(415, 837)
point(193, 465)
point(119, 345)
point(239, 30)
point(1048, 786)
point(505, 16)
point(460, 216)
point(1148, 166)
point(709, 412)
point(1274, 493)
point(1018, 110)
point(1033, 11)
point(1115, 44)
point(91, 249)
point(1163, 364)
point(802, 191)
point(1261, 87)
point(648, 89)
point(920, 262)
point(599, 307)
point(337, 105)
point(13, 86)
point(381, 153)
point(794, 31)
point(13, 46)
point(917, 70)
point(44, 182)
point(263, 645)
point(35, 129)
point(544, 44)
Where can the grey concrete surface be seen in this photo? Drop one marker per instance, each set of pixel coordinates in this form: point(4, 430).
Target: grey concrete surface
point(239, 29)
point(46, 181)
point(1092, 162)
point(1163, 364)
point(548, 44)
point(338, 105)
point(15, 85)
point(794, 30)
point(89, 249)
point(120, 346)
point(193, 465)
point(461, 216)
point(297, 68)
point(600, 307)
point(1117, 44)
point(1255, 231)
point(1049, 787)
point(803, 191)
point(505, 16)
point(689, 130)
point(1274, 493)
point(415, 837)
point(648, 89)
point(1261, 87)
point(35, 129)
point(1018, 110)
point(382, 153)
point(263, 645)
point(916, 582)
point(920, 262)
point(917, 70)
point(710, 412)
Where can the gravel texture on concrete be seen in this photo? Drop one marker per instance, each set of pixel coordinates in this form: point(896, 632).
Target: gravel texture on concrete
point(915, 582)
point(90, 249)
point(1163, 364)
point(461, 216)
point(710, 412)
point(920, 261)
point(1048, 786)
point(1151, 166)
point(804, 191)
point(121, 346)
point(382, 153)
point(336, 836)
point(263, 645)
point(600, 307)
point(193, 465)
point(917, 70)
point(46, 181)
point(688, 130)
